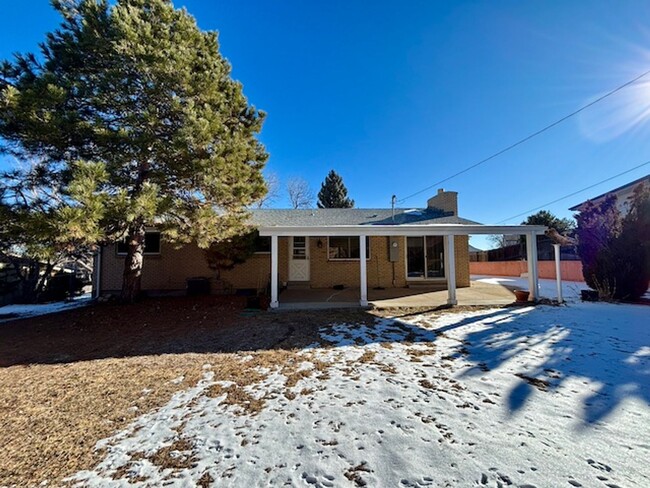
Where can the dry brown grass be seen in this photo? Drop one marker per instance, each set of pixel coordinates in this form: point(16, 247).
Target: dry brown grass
point(52, 415)
point(367, 357)
point(236, 395)
point(415, 355)
point(70, 379)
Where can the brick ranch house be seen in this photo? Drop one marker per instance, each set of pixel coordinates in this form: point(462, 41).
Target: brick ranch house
point(323, 248)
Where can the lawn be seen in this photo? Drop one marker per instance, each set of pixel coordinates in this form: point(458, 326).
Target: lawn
point(198, 392)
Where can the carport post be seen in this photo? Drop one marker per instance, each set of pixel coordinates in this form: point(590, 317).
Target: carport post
point(558, 272)
point(363, 278)
point(274, 271)
point(531, 257)
point(450, 252)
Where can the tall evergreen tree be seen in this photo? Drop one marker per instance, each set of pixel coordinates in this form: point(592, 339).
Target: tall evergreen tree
point(138, 91)
point(333, 193)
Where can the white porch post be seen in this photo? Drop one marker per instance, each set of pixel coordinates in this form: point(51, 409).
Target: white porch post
point(450, 272)
point(558, 272)
point(363, 300)
point(274, 271)
point(531, 258)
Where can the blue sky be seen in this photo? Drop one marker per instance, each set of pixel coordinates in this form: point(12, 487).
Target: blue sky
point(398, 95)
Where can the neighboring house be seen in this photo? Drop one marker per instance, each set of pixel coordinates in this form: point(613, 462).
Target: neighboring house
point(324, 248)
point(476, 254)
point(623, 195)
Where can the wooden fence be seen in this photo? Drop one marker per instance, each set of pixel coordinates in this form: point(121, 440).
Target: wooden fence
point(571, 270)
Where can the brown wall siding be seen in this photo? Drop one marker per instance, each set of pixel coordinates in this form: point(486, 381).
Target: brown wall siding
point(170, 270)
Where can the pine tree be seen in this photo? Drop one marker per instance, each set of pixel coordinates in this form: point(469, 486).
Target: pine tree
point(137, 91)
point(40, 229)
point(333, 193)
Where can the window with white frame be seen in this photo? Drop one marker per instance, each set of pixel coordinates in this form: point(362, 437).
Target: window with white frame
point(346, 247)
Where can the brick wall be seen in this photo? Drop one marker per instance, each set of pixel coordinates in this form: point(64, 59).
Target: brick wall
point(461, 245)
point(447, 201)
point(169, 271)
point(327, 273)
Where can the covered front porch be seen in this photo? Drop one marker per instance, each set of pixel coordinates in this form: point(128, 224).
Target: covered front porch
point(397, 296)
point(401, 297)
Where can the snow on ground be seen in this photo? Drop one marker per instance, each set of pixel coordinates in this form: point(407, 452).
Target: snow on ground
point(547, 288)
point(529, 397)
point(13, 312)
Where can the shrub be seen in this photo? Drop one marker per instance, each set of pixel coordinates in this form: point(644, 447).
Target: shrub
point(615, 250)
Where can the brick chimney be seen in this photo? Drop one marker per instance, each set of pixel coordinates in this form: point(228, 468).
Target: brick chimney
point(445, 201)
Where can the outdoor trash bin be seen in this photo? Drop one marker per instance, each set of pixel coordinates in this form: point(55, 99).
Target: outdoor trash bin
point(198, 286)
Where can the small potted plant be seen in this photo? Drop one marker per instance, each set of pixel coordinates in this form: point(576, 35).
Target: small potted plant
point(522, 295)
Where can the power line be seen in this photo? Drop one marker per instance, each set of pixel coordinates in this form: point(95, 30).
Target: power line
point(529, 137)
point(574, 193)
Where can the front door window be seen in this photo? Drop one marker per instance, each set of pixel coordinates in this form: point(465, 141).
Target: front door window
point(299, 248)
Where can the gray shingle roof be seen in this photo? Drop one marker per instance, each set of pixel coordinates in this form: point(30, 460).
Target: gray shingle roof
point(352, 216)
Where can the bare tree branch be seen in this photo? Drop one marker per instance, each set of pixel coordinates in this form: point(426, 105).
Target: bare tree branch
point(273, 191)
point(300, 193)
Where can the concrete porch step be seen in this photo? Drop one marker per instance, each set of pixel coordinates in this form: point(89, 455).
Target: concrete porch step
point(298, 285)
point(432, 285)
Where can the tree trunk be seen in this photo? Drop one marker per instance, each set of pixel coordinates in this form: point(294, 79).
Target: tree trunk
point(133, 263)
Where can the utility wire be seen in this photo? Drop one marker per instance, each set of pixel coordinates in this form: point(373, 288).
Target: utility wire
point(529, 137)
point(574, 193)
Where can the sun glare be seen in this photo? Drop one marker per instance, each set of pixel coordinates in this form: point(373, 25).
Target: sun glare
point(624, 112)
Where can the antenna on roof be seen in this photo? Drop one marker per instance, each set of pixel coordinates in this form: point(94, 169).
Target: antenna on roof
point(392, 206)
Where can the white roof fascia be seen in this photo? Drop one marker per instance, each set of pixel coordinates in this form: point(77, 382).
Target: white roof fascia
point(399, 230)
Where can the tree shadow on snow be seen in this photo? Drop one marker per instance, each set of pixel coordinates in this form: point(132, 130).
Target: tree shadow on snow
point(566, 351)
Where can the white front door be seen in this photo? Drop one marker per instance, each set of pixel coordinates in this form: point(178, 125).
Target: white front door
point(299, 259)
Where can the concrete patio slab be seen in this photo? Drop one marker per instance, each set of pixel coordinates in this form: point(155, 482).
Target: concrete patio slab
point(323, 298)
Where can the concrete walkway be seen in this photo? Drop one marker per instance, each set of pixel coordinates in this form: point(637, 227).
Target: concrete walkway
point(320, 298)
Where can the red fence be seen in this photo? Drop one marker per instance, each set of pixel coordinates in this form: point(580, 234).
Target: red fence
point(571, 270)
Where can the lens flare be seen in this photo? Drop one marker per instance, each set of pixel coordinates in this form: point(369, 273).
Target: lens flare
point(626, 111)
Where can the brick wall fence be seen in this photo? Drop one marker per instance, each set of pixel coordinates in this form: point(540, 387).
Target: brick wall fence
point(571, 270)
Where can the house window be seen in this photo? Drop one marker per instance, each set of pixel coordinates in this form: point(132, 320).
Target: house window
point(151, 243)
point(346, 247)
point(262, 244)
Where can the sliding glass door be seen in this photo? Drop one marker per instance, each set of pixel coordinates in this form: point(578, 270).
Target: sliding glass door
point(425, 257)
